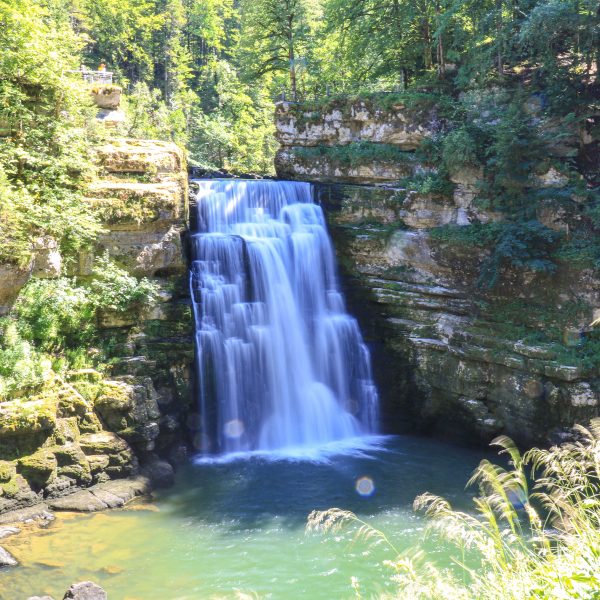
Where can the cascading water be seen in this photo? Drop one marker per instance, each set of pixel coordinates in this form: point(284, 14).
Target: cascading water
point(281, 364)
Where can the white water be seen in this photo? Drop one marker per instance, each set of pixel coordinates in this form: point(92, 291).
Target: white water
point(281, 364)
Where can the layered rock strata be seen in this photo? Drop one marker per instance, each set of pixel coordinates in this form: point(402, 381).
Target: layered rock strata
point(91, 428)
point(450, 355)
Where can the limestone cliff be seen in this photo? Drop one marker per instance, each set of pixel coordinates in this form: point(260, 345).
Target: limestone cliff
point(88, 427)
point(450, 354)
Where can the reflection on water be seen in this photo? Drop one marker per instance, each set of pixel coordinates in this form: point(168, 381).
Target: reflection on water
point(240, 525)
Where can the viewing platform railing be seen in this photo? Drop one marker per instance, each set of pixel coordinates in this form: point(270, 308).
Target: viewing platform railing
point(105, 77)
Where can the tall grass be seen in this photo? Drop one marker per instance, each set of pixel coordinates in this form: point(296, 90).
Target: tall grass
point(534, 531)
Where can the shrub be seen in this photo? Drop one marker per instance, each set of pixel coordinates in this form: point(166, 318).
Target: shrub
point(357, 153)
point(54, 313)
point(114, 289)
point(528, 245)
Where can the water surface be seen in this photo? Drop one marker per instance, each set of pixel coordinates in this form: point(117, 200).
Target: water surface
point(240, 525)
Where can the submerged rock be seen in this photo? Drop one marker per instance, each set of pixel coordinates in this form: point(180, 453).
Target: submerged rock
point(86, 590)
point(160, 473)
point(7, 559)
point(7, 531)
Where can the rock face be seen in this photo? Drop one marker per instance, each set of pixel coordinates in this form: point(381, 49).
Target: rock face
point(347, 122)
point(310, 135)
point(92, 429)
point(142, 199)
point(450, 355)
point(456, 358)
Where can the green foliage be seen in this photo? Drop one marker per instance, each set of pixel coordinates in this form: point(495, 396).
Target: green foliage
point(53, 325)
point(432, 183)
point(278, 37)
point(44, 146)
point(22, 367)
point(513, 155)
point(536, 535)
point(112, 288)
point(526, 245)
point(236, 132)
point(357, 153)
point(476, 234)
point(148, 115)
point(460, 150)
point(54, 313)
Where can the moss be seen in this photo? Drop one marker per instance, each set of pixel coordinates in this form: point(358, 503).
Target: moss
point(133, 204)
point(69, 455)
point(7, 471)
point(114, 396)
point(37, 468)
point(82, 473)
point(10, 488)
point(29, 416)
point(105, 89)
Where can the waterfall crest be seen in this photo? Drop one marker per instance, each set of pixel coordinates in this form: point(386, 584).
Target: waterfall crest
point(280, 362)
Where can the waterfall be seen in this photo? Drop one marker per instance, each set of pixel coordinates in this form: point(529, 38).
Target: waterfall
point(280, 362)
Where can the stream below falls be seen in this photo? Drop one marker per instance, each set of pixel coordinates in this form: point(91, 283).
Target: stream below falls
point(239, 524)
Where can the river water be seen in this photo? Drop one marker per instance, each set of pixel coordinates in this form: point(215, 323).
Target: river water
point(239, 524)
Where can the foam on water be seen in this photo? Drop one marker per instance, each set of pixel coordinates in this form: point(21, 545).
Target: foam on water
point(282, 366)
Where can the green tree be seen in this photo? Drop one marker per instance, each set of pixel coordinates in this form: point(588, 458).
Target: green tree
point(277, 36)
point(46, 124)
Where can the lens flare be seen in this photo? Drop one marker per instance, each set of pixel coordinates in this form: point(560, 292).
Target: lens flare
point(365, 486)
point(233, 429)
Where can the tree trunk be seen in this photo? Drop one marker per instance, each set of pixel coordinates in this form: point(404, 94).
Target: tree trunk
point(499, 58)
point(441, 61)
point(427, 59)
point(292, 56)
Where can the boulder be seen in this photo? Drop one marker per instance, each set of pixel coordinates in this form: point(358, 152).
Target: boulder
point(38, 469)
point(86, 590)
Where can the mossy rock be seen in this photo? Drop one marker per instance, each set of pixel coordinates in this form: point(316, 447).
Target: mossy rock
point(103, 443)
point(69, 455)
point(115, 403)
point(7, 471)
point(38, 469)
point(115, 396)
point(79, 472)
point(28, 416)
point(25, 425)
point(9, 489)
point(67, 431)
